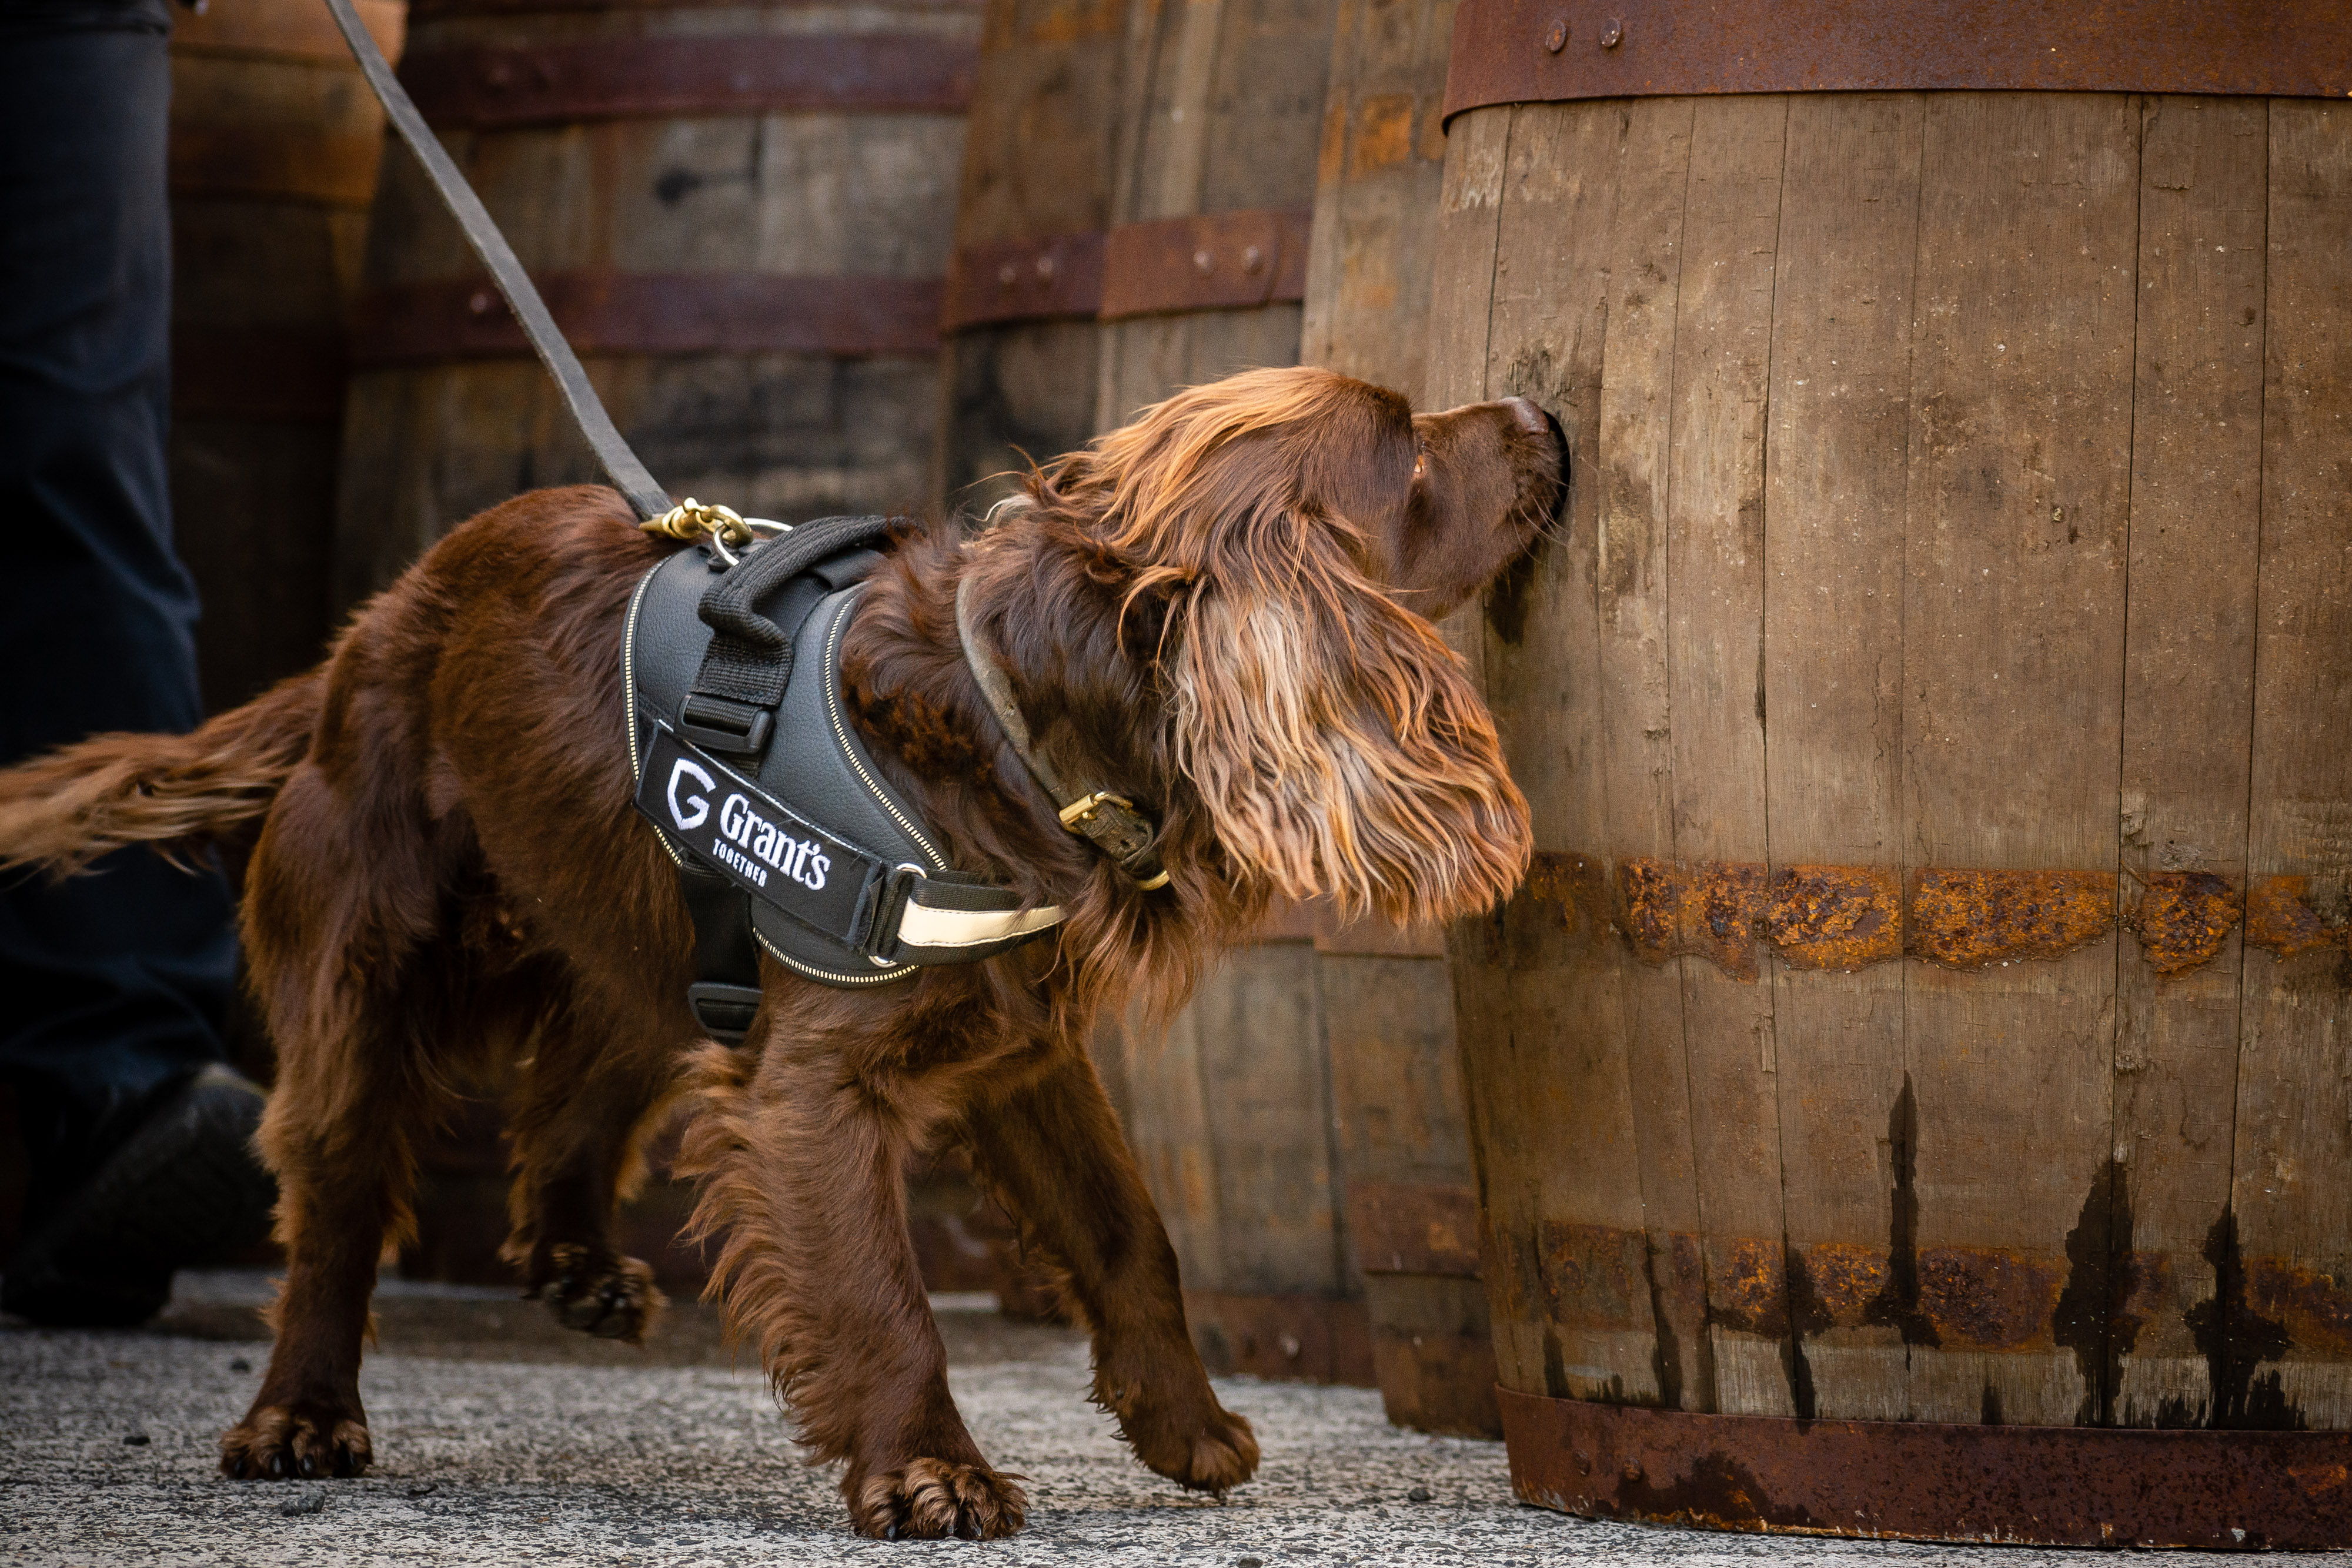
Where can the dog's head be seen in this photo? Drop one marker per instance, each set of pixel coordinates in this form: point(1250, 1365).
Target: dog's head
point(1271, 530)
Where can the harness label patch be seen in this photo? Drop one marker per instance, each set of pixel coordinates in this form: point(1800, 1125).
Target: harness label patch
point(755, 840)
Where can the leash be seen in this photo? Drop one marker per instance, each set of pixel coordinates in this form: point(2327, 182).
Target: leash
point(629, 476)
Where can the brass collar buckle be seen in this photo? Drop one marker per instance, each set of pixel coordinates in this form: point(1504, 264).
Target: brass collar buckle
point(1081, 811)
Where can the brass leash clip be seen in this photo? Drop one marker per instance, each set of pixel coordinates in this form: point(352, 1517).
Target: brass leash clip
point(727, 529)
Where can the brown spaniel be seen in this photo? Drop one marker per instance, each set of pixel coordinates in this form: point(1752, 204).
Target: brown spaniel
point(1221, 610)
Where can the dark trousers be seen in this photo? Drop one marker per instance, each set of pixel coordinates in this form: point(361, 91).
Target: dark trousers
point(113, 986)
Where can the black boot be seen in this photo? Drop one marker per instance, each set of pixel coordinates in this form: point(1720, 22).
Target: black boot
point(184, 1187)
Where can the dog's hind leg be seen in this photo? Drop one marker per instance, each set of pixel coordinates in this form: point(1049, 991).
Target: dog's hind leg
point(800, 1163)
point(1051, 1152)
point(358, 999)
point(600, 1079)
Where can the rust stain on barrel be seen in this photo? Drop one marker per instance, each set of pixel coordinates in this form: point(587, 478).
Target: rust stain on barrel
point(2314, 1305)
point(1593, 1275)
point(1710, 909)
point(1847, 1278)
point(2182, 918)
point(1835, 916)
point(1989, 1298)
point(1972, 919)
point(1578, 883)
point(2279, 917)
point(1748, 1286)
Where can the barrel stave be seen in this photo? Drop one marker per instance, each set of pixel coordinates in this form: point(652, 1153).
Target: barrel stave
point(1376, 193)
point(2012, 648)
point(1038, 165)
point(273, 155)
point(1840, 362)
point(2288, 1242)
point(1412, 1208)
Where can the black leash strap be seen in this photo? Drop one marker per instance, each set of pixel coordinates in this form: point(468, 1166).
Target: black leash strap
point(621, 465)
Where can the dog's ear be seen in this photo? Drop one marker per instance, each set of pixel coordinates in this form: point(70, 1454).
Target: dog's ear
point(1334, 737)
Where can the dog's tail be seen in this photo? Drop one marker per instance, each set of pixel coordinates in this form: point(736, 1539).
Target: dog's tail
point(177, 793)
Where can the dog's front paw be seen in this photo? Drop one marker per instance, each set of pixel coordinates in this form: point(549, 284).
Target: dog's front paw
point(1212, 1452)
point(931, 1499)
point(608, 1296)
point(307, 1439)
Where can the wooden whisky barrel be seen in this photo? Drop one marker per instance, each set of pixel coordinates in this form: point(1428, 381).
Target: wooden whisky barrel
point(739, 214)
point(1026, 282)
point(1909, 1091)
point(274, 145)
point(1387, 995)
point(1229, 1112)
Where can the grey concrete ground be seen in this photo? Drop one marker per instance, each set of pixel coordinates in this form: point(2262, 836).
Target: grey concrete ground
point(501, 1439)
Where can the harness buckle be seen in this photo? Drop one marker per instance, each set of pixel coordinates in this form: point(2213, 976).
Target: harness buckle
point(896, 891)
point(724, 1011)
point(724, 728)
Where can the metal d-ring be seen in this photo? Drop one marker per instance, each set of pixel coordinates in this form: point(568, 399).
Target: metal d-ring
point(758, 528)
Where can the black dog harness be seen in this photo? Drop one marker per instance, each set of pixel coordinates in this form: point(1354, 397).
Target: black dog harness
point(786, 835)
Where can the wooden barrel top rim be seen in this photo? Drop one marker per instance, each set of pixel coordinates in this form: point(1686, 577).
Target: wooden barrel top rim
point(1540, 51)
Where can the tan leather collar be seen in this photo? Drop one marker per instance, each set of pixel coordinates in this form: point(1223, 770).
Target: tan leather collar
point(1108, 821)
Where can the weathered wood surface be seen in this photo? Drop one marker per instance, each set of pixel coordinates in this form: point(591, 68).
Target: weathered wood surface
point(1930, 999)
point(2282, 1248)
point(1037, 163)
point(1221, 104)
point(810, 195)
point(1838, 410)
point(274, 146)
point(1377, 187)
point(1229, 1112)
point(1404, 1148)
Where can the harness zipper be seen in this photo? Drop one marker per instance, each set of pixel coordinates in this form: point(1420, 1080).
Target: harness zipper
point(841, 733)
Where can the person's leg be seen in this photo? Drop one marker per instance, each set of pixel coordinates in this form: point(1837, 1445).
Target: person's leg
point(112, 986)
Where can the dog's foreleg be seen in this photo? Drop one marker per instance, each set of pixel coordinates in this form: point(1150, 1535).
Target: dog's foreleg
point(802, 1174)
point(1052, 1151)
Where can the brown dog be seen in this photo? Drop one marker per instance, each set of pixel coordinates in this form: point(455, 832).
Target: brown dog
point(1203, 609)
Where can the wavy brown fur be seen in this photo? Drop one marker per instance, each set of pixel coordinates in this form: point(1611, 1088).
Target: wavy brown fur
point(1210, 612)
point(178, 793)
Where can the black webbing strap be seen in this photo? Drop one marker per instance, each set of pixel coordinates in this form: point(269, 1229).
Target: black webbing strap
point(750, 660)
point(725, 990)
point(620, 464)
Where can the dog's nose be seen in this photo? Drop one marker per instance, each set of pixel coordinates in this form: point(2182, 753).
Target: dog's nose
point(1530, 419)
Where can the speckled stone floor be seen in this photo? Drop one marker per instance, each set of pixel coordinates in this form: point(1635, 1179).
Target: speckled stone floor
point(500, 1439)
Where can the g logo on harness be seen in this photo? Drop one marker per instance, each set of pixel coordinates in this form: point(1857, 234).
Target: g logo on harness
point(701, 806)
